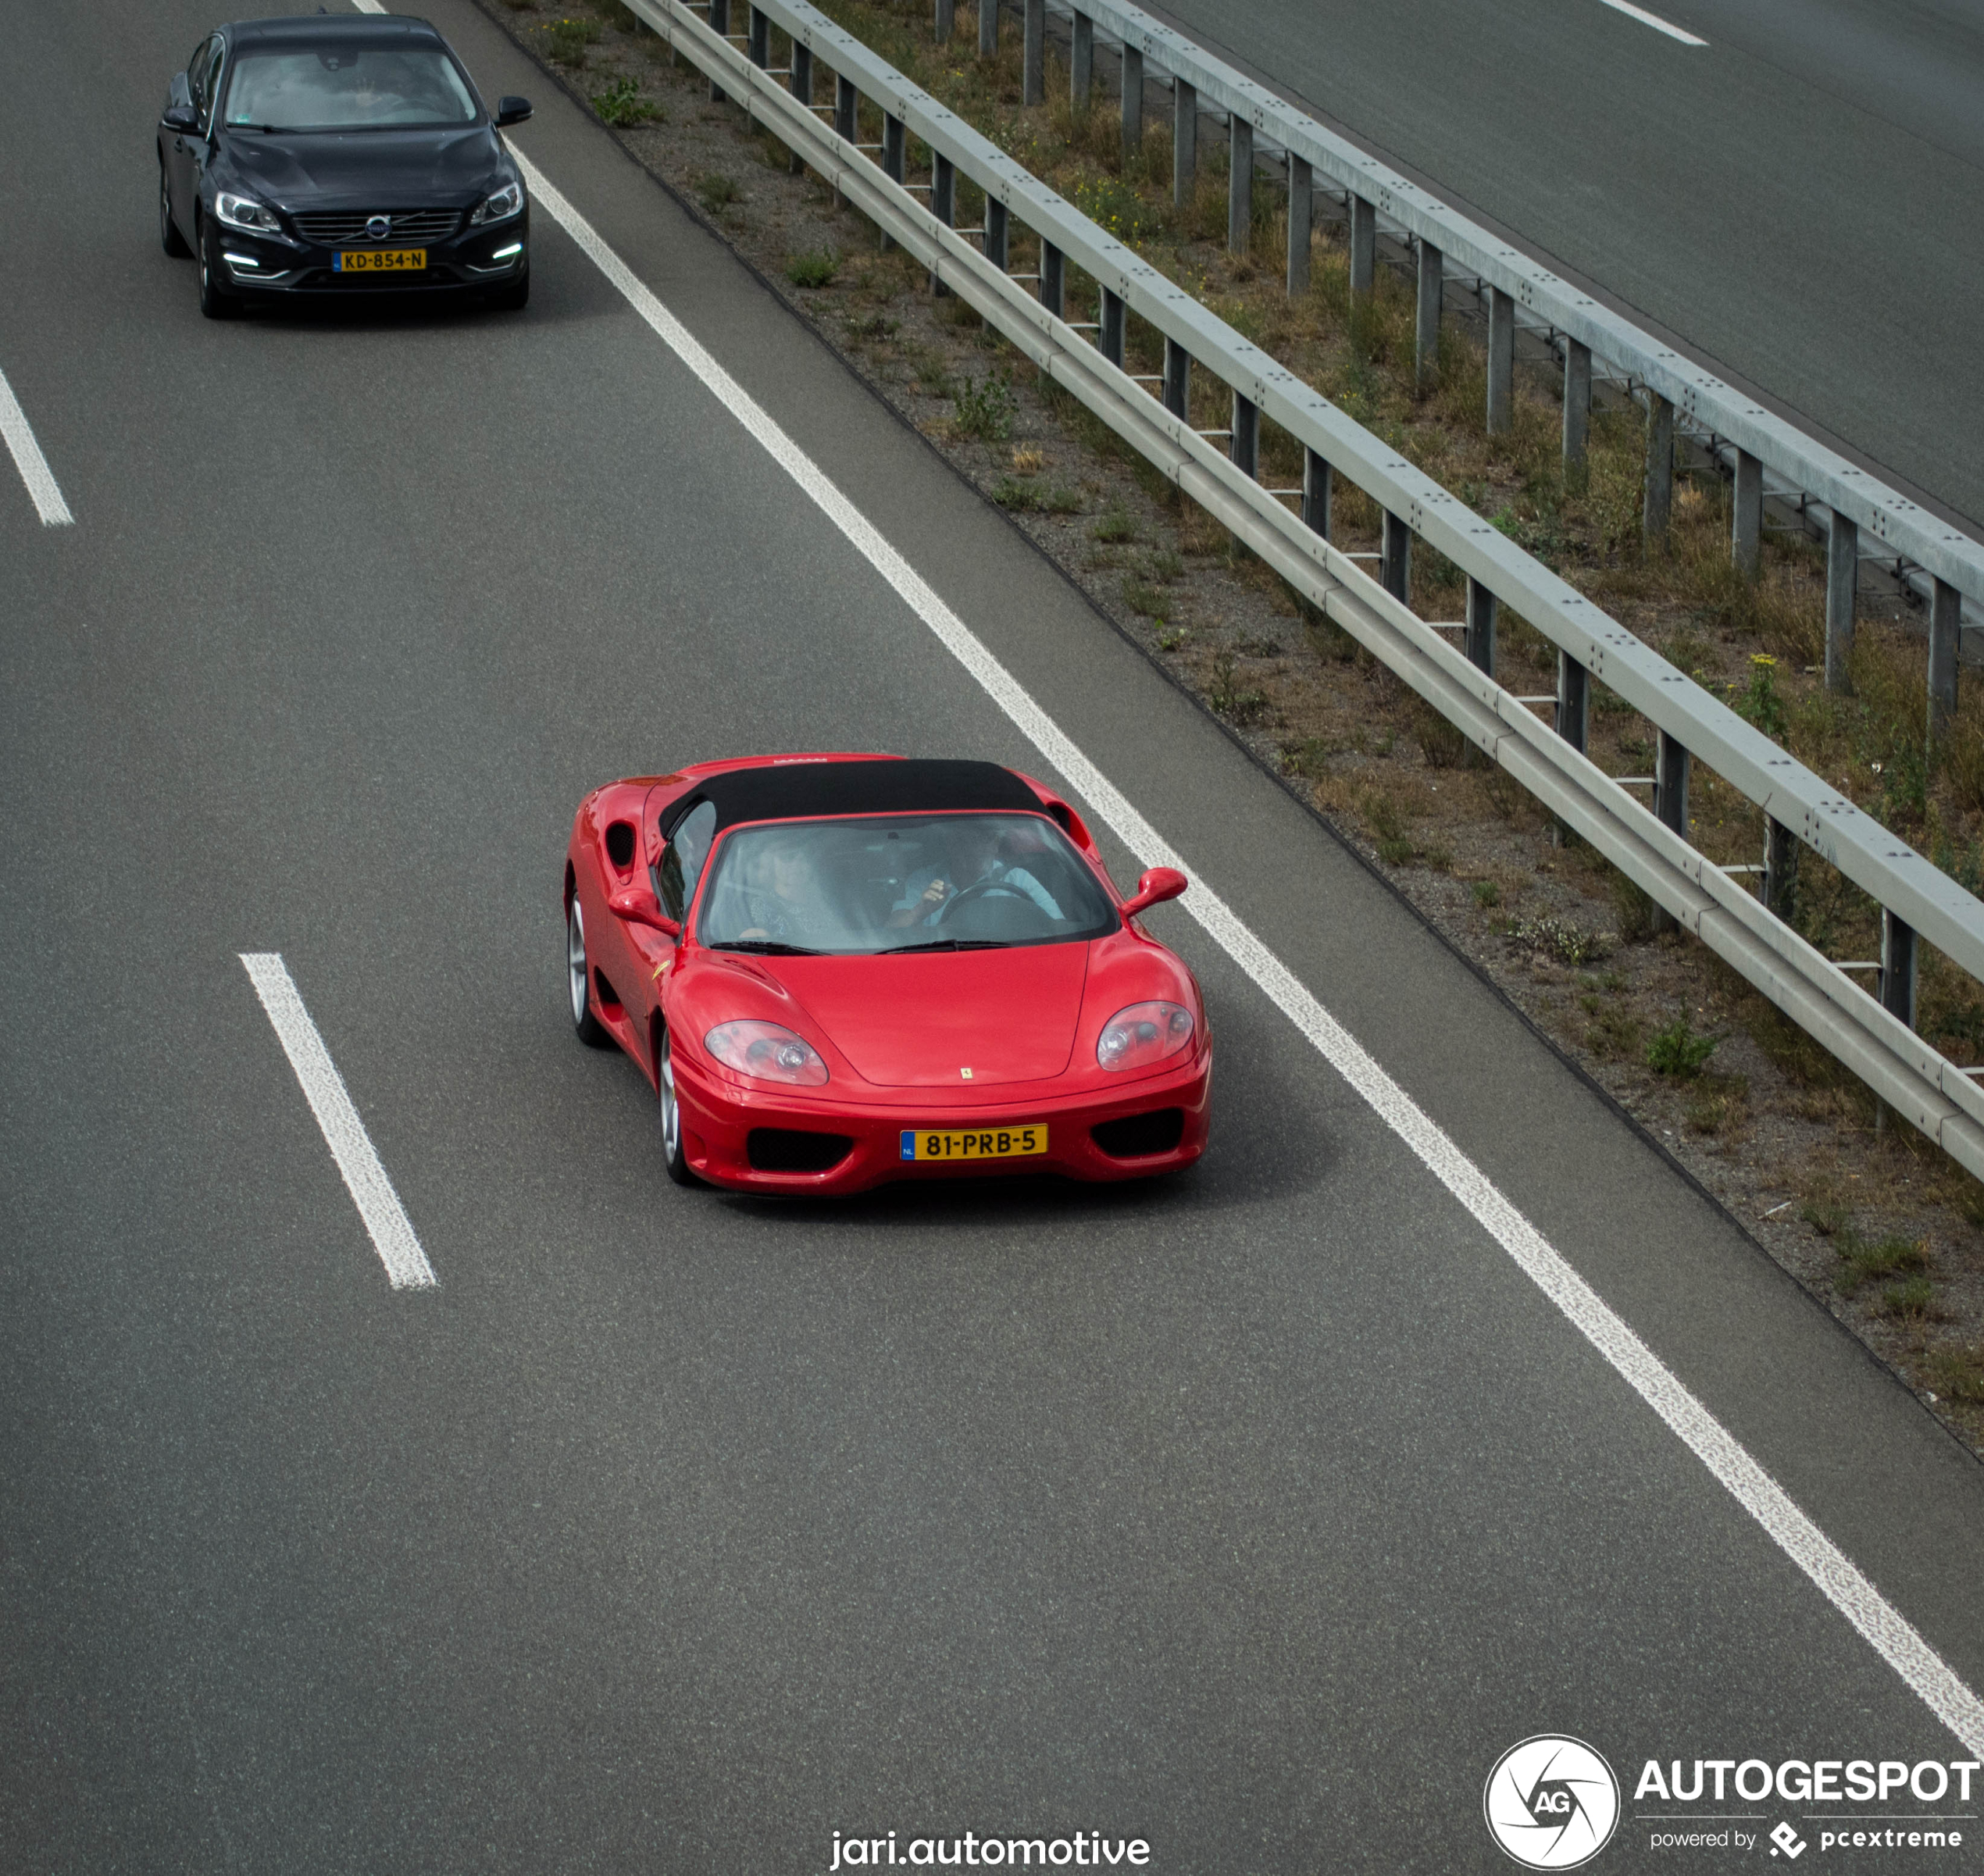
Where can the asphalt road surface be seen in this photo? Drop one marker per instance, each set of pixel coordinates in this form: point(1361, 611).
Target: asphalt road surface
point(1255, 1513)
point(1794, 203)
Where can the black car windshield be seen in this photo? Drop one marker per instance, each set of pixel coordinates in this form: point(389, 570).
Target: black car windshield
point(922, 882)
point(348, 87)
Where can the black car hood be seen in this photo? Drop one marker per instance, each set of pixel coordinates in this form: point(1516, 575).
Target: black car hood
point(367, 169)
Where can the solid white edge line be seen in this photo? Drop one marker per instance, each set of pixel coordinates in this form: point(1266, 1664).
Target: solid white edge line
point(1841, 1580)
point(1654, 20)
point(385, 1218)
point(34, 466)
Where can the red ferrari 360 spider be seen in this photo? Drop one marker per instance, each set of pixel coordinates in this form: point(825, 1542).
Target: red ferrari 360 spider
point(841, 969)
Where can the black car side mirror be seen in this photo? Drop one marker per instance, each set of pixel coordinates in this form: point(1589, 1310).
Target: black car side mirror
point(511, 110)
point(182, 118)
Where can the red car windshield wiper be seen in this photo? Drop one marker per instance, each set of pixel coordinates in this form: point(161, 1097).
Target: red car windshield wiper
point(768, 947)
point(948, 945)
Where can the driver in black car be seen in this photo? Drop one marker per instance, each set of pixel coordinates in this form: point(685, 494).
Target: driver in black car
point(979, 861)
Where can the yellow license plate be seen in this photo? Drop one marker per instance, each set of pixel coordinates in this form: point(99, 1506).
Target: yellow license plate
point(380, 260)
point(979, 1143)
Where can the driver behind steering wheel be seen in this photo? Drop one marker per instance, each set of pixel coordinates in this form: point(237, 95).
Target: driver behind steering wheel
point(978, 863)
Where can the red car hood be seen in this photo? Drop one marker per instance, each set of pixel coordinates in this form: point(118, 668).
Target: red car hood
point(919, 1022)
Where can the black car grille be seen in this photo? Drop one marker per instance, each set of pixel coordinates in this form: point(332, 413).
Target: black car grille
point(407, 225)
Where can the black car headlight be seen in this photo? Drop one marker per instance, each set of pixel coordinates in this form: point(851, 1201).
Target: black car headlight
point(246, 212)
point(507, 201)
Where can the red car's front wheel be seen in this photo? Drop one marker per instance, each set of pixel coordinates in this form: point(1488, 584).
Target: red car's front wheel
point(674, 1157)
point(578, 977)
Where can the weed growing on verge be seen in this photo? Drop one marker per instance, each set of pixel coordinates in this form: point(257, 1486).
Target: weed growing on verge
point(566, 41)
point(1033, 497)
point(815, 268)
point(1958, 1374)
point(1562, 939)
point(621, 105)
point(1760, 702)
point(985, 407)
point(716, 193)
point(1864, 1260)
point(1236, 705)
point(1678, 1051)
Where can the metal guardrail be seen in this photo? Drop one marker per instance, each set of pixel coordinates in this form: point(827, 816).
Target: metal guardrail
point(1924, 1088)
point(1697, 396)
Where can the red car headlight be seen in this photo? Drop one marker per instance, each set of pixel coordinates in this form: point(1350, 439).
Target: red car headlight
point(1142, 1035)
point(768, 1051)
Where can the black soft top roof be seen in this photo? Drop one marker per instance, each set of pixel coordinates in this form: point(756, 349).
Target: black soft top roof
point(789, 791)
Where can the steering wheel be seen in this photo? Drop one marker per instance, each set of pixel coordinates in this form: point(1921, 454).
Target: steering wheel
point(974, 891)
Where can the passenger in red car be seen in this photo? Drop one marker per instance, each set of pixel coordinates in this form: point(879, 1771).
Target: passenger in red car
point(781, 893)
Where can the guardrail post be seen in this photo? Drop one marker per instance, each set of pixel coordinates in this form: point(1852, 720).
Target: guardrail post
point(1184, 140)
point(1053, 279)
point(1240, 183)
point(800, 83)
point(1842, 583)
point(1177, 379)
point(1477, 642)
point(758, 43)
point(1780, 868)
point(1573, 702)
point(1363, 245)
point(945, 22)
point(998, 226)
point(988, 28)
point(943, 204)
point(1244, 445)
point(1081, 61)
point(1945, 622)
point(1033, 53)
point(1659, 508)
point(1671, 766)
point(1425, 345)
point(1898, 972)
point(719, 23)
point(1302, 222)
point(846, 99)
point(1133, 100)
point(1746, 516)
point(1577, 409)
point(1315, 492)
point(1395, 566)
point(1109, 319)
point(1501, 362)
point(894, 140)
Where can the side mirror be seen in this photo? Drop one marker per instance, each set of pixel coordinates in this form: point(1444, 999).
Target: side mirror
point(511, 110)
point(1160, 883)
point(638, 906)
point(182, 118)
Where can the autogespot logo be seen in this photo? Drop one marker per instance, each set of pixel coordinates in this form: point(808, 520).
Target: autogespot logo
point(1551, 1802)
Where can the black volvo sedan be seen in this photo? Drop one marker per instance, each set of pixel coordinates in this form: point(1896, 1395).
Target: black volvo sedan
point(329, 154)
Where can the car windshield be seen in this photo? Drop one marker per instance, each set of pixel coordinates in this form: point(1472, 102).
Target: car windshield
point(348, 88)
point(879, 884)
